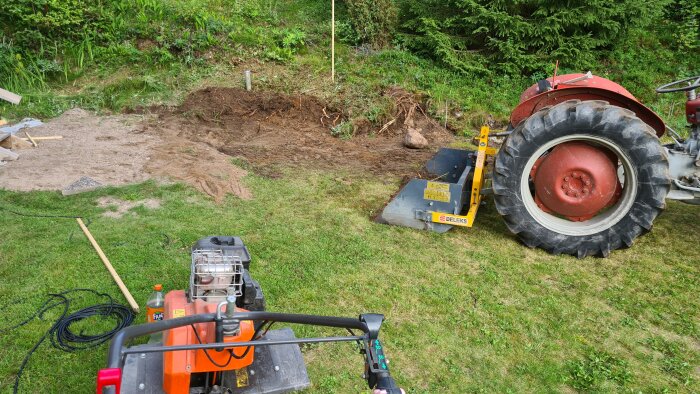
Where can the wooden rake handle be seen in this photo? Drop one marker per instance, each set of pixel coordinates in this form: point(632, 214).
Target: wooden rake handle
point(111, 269)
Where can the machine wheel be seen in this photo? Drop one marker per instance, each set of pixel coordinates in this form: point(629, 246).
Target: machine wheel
point(581, 178)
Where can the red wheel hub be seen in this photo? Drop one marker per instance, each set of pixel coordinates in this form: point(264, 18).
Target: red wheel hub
point(576, 180)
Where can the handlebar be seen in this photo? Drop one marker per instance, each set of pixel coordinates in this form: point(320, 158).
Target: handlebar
point(376, 369)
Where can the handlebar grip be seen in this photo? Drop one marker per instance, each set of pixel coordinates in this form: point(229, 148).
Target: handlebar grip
point(386, 382)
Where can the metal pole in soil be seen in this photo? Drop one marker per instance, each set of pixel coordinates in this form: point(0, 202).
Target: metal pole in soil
point(248, 81)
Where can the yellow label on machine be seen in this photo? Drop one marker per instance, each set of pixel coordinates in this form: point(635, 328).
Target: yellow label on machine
point(178, 313)
point(446, 218)
point(436, 195)
point(438, 186)
point(242, 377)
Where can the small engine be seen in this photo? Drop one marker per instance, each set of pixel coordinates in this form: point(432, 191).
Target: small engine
point(220, 269)
point(215, 275)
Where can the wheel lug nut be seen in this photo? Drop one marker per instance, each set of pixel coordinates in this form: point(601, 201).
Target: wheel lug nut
point(575, 174)
point(587, 182)
point(567, 179)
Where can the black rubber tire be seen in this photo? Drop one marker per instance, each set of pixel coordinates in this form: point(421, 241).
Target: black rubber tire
point(617, 125)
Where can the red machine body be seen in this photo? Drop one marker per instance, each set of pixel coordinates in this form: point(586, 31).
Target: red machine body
point(178, 367)
point(692, 111)
point(595, 88)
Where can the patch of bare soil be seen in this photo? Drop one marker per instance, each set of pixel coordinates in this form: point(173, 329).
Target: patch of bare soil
point(269, 128)
point(196, 142)
point(121, 207)
point(114, 150)
point(108, 149)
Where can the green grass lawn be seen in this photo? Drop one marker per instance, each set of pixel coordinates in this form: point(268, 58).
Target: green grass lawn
point(467, 311)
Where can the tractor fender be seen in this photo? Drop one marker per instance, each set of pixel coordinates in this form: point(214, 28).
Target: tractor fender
point(555, 90)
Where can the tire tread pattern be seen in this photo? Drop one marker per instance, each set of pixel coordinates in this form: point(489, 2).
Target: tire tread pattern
point(635, 138)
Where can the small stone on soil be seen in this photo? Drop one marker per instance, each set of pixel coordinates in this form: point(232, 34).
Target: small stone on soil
point(82, 185)
point(414, 139)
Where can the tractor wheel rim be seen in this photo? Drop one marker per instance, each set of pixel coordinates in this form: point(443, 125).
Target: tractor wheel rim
point(598, 223)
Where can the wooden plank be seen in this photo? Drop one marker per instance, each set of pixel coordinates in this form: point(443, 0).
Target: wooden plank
point(9, 96)
point(111, 269)
point(31, 140)
point(47, 138)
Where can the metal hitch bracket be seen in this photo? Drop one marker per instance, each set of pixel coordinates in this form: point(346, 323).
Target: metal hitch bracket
point(437, 204)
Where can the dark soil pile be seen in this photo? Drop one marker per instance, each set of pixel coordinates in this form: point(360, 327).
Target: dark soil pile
point(272, 129)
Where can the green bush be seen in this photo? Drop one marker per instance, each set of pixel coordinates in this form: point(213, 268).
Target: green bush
point(373, 21)
point(521, 36)
point(35, 23)
point(45, 40)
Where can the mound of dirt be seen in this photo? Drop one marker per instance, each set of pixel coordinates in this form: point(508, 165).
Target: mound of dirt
point(272, 129)
point(199, 165)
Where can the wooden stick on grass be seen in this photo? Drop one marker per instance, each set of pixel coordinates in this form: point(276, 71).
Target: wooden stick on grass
point(111, 270)
point(31, 139)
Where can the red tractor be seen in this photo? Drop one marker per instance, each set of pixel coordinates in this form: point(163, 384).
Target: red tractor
point(582, 170)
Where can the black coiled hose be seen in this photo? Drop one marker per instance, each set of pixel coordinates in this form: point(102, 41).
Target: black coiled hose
point(60, 333)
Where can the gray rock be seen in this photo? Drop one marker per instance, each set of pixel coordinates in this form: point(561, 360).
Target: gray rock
point(414, 139)
point(8, 155)
point(82, 185)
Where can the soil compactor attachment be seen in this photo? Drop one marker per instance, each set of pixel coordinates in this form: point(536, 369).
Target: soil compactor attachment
point(217, 337)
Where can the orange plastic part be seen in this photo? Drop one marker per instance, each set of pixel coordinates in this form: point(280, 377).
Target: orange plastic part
point(178, 366)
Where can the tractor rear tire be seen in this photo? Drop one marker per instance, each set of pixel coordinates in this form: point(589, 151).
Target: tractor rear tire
point(598, 123)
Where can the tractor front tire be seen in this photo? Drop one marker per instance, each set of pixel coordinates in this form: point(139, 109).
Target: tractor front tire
point(641, 159)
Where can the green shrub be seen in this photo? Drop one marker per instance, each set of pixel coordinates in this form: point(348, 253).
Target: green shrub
point(43, 40)
point(521, 36)
point(373, 21)
point(35, 23)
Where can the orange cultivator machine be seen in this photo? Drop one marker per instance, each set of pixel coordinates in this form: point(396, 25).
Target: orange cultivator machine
point(217, 337)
